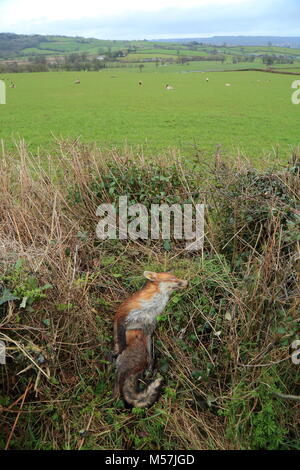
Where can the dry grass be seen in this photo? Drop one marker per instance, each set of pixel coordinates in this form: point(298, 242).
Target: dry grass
point(224, 349)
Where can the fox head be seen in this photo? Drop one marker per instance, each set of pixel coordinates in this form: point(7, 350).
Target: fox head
point(167, 282)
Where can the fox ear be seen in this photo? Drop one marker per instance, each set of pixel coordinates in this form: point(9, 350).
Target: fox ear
point(150, 275)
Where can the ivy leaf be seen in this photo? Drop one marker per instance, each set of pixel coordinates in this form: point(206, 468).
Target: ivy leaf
point(281, 331)
point(167, 245)
point(67, 252)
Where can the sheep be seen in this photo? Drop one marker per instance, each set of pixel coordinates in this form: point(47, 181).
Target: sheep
point(77, 81)
point(207, 79)
point(169, 87)
point(141, 83)
point(227, 84)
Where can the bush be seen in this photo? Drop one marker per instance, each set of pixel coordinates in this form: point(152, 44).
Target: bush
point(222, 345)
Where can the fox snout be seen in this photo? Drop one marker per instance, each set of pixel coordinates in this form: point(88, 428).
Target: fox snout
point(179, 284)
point(182, 284)
point(166, 281)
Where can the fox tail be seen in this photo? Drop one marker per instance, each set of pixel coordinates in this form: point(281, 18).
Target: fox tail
point(141, 399)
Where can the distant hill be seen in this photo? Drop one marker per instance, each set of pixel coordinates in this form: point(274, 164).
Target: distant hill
point(275, 41)
point(21, 45)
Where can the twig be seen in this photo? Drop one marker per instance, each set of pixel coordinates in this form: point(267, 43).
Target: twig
point(264, 365)
point(29, 386)
point(86, 430)
point(7, 338)
point(287, 397)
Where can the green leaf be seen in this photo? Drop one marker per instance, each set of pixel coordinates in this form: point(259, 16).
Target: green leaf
point(100, 387)
point(19, 264)
point(7, 296)
point(83, 236)
point(210, 400)
point(46, 286)
point(175, 299)
point(167, 245)
point(281, 331)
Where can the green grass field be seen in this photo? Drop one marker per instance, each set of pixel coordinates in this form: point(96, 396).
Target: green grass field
point(190, 66)
point(254, 114)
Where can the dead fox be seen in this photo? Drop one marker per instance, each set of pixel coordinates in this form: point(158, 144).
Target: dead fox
point(134, 324)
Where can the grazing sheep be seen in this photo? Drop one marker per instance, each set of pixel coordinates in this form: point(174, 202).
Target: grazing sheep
point(227, 84)
point(207, 79)
point(77, 81)
point(169, 87)
point(12, 85)
point(141, 83)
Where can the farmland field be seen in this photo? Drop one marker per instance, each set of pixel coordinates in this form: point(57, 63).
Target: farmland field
point(254, 115)
point(223, 346)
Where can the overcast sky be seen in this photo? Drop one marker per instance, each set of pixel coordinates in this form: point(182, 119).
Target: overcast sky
point(150, 19)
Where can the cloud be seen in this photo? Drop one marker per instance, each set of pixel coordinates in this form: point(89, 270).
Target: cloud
point(217, 17)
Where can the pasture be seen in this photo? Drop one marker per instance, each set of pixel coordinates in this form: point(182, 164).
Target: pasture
point(254, 115)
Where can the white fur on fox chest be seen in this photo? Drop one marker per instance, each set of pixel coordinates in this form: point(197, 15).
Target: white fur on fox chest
point(145, 316)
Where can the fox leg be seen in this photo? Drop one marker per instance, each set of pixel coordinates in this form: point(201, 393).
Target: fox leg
point(119, 339)
point(116, 342)
point(150, 353)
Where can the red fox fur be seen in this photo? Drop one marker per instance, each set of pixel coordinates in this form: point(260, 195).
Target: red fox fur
point(134, 324)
